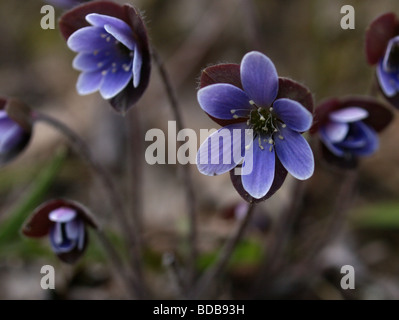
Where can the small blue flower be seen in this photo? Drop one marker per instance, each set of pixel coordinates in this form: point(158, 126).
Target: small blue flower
point(64, 221)
point(68, 230)
point(108, 56)
point(345, 134)
point(277, 124)
point(388, 69)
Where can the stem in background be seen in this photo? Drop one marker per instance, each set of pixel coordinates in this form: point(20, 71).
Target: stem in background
point(203, 284)
point(187, 179)
point(280, 237)
point(83, 150)
point(135, 174)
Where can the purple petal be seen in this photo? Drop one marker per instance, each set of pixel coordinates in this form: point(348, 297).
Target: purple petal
point(259, 181)
point(115, 80)
point(350, 114)
point(294, 153)
point(81, 236)
point(72, 229)
point(330, 145)
point(222, 150)
point(90, 39)
point(123, 34)
point(389, 62)
point(88, 61)
point(387, 81)
point(89, 82)
point(293, 114)
point(137, 63)
point(10, 134)
point(259, 78)
point(62, 214)
point(366, 133)
point(335, 131)
point(224, 101)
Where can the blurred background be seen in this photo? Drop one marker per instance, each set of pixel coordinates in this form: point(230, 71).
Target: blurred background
point(305, 41)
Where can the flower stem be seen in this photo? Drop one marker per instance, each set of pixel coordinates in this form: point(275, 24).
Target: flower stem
point(203, 284)
point(187, 179)
point(103, 175)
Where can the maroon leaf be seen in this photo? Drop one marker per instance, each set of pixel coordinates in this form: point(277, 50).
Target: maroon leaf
point(349, 161)
point(380, 31)
point(221, 73)
point(295, 91)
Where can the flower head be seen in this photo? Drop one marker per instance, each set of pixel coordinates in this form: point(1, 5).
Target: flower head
point(113, 53)
point(382, 50)
point(348, 128)
point(15, 129)
point(252, 97)
point(64, 221)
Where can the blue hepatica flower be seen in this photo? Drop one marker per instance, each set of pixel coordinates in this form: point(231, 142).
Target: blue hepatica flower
point(64, 221)
point(388, 69)
point(108, 56)
point(276, 124)
point(345, 133)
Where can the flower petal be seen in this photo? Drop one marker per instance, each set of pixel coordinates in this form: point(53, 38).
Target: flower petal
point(293, 114)
point(258, 182)
point(259, 78)
point(115, 80)
point(329, 144)
point(387, 81)
point(89, 82)
point(62, 214)
point(224, 101)
point(363, 131)
point(88, 61)
point(89, 39)
point(350, 114)
point(72, 229)
point(137, 63)
point(222, 150)
point(294, 153)
point(11, 134)
point(335, 131)
point(124, 35)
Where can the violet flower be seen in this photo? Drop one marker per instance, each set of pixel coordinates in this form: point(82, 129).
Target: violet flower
point(277, 121)
point(348, 128)
point(65, 222)
point(113, 53)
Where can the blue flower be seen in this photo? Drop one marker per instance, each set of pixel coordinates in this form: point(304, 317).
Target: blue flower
point(388, 69)
point(109, 57)
point(348, 128)
point(14, 135)
point(64, 221)
point(276, 123)
point(345, 133)
point(113, 51)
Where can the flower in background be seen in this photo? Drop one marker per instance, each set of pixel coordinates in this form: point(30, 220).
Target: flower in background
point(15, 129)
point(113, 51)
point(251, 96)
point(66, 4)
point(382, 50)
point(65, 222)
point(348, 128)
